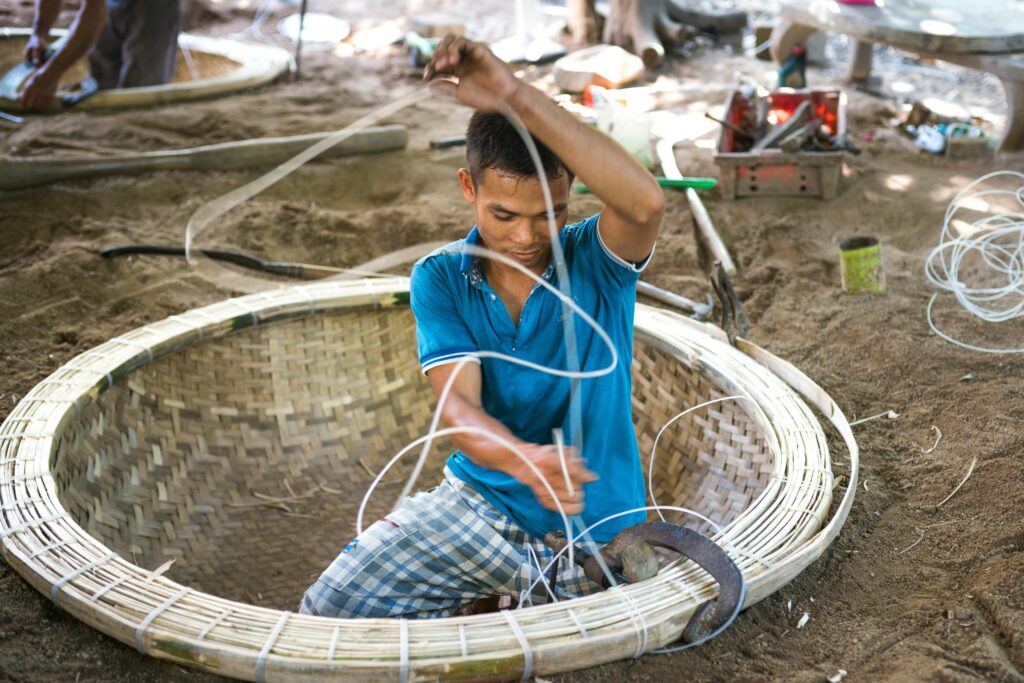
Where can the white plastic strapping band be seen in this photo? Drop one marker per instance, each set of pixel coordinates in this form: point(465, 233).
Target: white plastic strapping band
point(525, 644)
point(55, 589)
point(141, 630)
point(261, 658)
point(213, 624)
point(110, 586)
point(403, 630)
point(334, 643)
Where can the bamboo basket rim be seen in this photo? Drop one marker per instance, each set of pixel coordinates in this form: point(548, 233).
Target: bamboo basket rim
point(783, 530)
point(259, 64)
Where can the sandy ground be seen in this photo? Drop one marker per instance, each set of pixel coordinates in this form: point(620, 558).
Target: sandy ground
point(909, 590)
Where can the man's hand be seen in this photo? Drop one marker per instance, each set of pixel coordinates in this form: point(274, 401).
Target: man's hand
point(547, 460)
point(39, 91)
point(485, 82)
point(35, 49)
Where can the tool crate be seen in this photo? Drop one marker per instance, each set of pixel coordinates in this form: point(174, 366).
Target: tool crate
point(773, 172)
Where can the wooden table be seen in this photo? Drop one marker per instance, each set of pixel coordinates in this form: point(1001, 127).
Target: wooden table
point(987, 35)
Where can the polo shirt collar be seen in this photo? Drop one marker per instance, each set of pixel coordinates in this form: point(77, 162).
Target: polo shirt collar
point(470, 263)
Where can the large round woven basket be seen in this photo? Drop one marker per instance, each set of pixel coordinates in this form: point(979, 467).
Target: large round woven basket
point(206, 67)
point(237, 439)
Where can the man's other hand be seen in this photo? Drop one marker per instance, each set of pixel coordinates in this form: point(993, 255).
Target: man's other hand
point(484, 81)
point(39, 91)
point(35, 49)
point(548, 461)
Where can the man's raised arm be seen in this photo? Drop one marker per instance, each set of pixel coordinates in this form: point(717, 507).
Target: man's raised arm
point(634, 203)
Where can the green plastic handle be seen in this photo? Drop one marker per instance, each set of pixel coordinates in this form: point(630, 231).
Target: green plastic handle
point(674, 183)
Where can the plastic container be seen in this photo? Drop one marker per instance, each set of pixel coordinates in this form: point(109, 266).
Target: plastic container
point(860, 265)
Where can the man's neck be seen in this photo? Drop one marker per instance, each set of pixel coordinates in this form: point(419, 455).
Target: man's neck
point(503, 275)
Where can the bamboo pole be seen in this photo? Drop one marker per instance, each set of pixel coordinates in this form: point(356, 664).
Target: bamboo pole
point(30, 172)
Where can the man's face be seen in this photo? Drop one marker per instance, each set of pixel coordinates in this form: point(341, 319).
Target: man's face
point(511, 215)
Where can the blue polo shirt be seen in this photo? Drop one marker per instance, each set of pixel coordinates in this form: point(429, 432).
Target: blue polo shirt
point(458, 313)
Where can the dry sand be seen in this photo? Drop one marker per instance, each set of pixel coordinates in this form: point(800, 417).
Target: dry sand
point(950, 608)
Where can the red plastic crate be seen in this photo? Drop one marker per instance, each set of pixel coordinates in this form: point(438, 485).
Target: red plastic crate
point(772, 171)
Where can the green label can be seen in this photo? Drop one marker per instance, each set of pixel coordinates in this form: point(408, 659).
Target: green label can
point(860, 264)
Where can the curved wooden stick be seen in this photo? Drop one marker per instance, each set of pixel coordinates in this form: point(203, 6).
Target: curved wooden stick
point(22, 173)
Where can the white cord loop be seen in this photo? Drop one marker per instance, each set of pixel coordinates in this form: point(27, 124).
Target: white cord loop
point(998, 241)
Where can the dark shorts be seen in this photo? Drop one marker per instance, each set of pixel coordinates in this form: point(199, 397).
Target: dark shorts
point(138, 44)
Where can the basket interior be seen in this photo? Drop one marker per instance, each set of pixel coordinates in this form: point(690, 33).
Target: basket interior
point(244, 458)
point(203, 64)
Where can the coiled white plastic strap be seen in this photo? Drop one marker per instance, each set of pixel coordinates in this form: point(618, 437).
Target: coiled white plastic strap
point(637, 618)
point(132, 345)
point(213, 624)
point(688, 589)
point(462, 640)
point(30, 524)
point(75, 574)
point(334, 643)
point(29, 476)
point(753, 556)
point(579, 624)
point(110, 586)
point(403, 631)
point(246, 309)
point(47, 548)
point(527, 652)
point(309, 298)
point(141, 630)
point(193, 326)
point(24, 435)
point(261, 658)
point(20, 501)
point(373, 292)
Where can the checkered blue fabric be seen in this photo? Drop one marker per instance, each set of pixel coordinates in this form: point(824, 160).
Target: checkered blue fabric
point(441, 550)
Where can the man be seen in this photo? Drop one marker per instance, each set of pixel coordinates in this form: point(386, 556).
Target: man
point(480, 532)
point(134, 43)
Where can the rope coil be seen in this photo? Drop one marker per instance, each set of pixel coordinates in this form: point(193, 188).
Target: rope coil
point(997, 241)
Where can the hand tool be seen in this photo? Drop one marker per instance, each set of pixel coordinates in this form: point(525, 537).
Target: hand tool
point(703, 227)
point(631, 558)
point(697, 310)
point(734, 319)
point(735, 129)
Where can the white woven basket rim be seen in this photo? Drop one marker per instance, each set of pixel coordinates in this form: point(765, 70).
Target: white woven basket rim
point(779, 534)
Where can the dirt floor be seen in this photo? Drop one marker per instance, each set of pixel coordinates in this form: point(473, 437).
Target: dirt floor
point(909, 591)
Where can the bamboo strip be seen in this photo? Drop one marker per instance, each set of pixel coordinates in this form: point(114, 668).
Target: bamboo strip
point(248, 66)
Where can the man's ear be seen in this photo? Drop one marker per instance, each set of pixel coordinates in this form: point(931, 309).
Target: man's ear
point(467, 185)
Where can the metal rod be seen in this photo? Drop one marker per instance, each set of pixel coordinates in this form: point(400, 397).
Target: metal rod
point(298, 40)
point(734, 129)
point(678, 301)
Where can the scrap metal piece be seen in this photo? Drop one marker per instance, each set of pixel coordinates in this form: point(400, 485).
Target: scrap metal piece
point(800, 117)
point(697, 310)
point(630, 557)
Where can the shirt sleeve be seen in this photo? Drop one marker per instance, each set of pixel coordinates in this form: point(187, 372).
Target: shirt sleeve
point(442, 335)
point(609, 268)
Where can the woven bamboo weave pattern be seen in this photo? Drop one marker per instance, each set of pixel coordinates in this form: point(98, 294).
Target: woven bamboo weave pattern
point(165, 464)
point(715, 461)
point(237, 439)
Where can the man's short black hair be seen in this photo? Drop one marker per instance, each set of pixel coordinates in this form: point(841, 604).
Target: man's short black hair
point(492, 142)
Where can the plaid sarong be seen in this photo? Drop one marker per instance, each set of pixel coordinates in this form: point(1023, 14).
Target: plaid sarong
point(441, 550)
